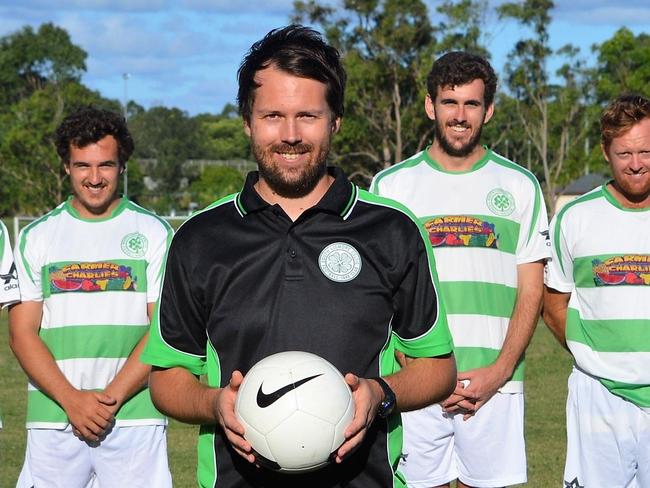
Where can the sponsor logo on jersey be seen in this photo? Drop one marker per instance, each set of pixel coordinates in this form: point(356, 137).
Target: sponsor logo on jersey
point(547, 237)
point(91, 277)
point(629, 269)
point(500, 202)
point(461, 231)
point(340, 262)
point(10, 280)
point(134, 245)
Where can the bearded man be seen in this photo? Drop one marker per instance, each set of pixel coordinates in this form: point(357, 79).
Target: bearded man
point(486, 222)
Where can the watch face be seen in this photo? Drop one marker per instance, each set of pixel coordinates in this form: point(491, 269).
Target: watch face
point(386, 406)
point(388, 403)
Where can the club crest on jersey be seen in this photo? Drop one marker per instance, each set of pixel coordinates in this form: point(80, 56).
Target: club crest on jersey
point(631, 269)
point(340, 262)
point(500, 202)
point(134, 245)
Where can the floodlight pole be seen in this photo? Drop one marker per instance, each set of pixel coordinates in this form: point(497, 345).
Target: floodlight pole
point(125, 76)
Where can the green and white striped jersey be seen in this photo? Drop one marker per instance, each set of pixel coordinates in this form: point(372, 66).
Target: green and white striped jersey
point(8, 280)
point(481, 224)
point(95, 279)
point(601, 255)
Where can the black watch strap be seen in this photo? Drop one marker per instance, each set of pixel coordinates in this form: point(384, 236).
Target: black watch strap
point(387, 405)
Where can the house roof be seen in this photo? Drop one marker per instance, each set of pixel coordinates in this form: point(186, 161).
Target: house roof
point(584, 184)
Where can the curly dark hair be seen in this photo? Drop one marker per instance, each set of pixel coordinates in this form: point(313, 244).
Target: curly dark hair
point(621, 115)
point(299, 51)
point(88, 125)
point(460, 68)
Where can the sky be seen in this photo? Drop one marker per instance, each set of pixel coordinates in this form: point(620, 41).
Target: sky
point(185, 53)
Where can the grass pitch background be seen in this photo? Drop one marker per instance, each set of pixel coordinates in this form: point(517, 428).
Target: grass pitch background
point(548, 367)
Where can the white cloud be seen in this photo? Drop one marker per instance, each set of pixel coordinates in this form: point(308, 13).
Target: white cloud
point(623, 15)
point(250, 7)
point(88, 5)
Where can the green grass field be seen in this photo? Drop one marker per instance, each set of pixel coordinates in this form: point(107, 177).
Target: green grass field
point(548, 367)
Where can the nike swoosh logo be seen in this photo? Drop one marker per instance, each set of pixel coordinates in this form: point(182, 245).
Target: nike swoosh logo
point(266, 399)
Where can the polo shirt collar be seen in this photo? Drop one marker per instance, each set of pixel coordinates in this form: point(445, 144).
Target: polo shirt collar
point(338, 199)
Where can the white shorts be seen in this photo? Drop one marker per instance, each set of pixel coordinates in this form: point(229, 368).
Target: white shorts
point(128, 457)
point(485, 451)
point(608, 438)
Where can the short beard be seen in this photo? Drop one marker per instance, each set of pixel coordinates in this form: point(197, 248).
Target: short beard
point(462, 151)
point(305, 179)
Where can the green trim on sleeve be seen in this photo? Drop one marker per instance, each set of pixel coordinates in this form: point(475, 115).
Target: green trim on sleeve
point(498, 159)
point(158, 353)
point(23, 236)
point(558, 220)
point(407, 163)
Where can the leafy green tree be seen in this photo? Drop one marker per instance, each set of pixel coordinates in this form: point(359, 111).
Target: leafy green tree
point(553, 116)
point(30, 60)
point(215, 182)
point(623, 65)
point(224, 135)
point(461, 28)
point(169, 137)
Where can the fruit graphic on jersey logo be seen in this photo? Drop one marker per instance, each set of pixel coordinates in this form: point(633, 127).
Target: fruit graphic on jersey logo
point(629, 269)
point(461, 231)
point(91, 277)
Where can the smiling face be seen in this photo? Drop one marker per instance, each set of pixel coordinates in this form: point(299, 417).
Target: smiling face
point(291, 127)
point(94, 173)
point(459, 113)
point(629, 158)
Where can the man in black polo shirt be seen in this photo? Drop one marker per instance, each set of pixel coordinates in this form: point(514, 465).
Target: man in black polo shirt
point(300, 259)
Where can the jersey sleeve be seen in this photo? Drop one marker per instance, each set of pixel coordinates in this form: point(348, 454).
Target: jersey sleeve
point(29, 263)
point(379, 186)
point(177, 337)
point(420, 320)
point(156, 261)
point(559, 270)
point(9, 292)
point(533, 244)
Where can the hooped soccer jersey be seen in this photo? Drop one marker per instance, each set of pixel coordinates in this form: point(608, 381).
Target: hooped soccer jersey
point(601, 255)
point(481, 224)
point(95, 279)
point(9, 292)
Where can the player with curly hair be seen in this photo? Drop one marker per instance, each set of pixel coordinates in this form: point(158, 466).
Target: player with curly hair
point(89, 274)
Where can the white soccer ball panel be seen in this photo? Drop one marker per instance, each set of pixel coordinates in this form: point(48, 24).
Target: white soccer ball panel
point(268, 379)
point(326, 397)
point(257, 440)
point(301, 442)
point(286, 359)
point(339, 428)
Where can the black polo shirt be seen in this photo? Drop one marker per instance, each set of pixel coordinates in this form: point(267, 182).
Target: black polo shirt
point(351, 280)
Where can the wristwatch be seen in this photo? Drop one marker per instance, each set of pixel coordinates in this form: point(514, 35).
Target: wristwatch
point(387, 405)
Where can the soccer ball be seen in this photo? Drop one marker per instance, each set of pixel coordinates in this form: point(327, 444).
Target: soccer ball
point(294, 407)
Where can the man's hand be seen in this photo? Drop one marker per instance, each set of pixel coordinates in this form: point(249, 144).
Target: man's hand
point(474, 388)
point(89, 412)
point(224, 406)
point(367, 395)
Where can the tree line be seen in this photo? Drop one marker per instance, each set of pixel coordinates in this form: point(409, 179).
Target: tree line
point(546, 121)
